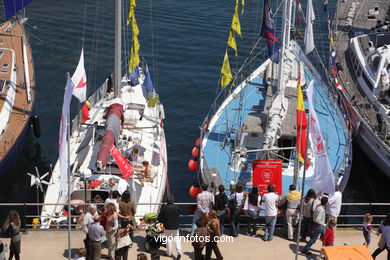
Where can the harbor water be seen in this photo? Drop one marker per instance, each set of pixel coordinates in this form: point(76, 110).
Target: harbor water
point(183, 43)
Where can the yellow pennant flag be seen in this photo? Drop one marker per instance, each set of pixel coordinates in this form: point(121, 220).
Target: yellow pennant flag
point(243, 5)
point(232, 41)
point(131, 11)
point(134, 26)
point(134, 54)
point(236, 24)
point(236, 7)
point(226, 72)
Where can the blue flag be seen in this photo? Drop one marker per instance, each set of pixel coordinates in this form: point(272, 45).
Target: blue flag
point(268, 32)
point(134, 75)
point(148, 82)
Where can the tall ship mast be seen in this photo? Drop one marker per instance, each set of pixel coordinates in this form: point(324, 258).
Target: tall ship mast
point(363, 53)
point(259, 127)
point(17, 85)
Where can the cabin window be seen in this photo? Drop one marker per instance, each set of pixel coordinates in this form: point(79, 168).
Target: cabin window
point(5, 65)
point(373, 62)
point(359, 71)
point(1, 54)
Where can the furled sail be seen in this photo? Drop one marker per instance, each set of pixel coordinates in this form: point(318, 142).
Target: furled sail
point(11, 7)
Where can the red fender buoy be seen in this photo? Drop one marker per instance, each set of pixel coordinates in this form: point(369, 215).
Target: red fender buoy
point(197, 142)
point(193, 164)
point(195, 152)
point(194, 191)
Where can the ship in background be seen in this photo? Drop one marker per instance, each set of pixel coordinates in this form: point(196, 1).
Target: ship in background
point(363, 51)
point(17, 86)
point(255, 119)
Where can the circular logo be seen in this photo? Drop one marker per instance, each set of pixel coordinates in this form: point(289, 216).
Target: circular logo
point(267, 175)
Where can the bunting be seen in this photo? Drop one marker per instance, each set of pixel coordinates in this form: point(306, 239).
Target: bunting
point(301, 125)
point(309, 36)
point(325, 5)
point(330, 36)
point(232, 41)
point(226, 74)
point(236, 23)
point(268, 32)
point(134, 52)
point(131, 11)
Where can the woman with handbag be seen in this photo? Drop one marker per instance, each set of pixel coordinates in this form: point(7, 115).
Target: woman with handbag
point(252, 209)
point(236, 202)
point(12, 229)
point(220, 205)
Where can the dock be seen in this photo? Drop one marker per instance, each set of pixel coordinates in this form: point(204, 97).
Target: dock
point(52, 244)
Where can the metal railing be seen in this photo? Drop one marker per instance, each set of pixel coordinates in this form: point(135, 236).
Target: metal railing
point(344, 220)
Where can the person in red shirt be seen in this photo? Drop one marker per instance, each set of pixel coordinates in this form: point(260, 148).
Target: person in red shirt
point(85, 110)
point(328, 238)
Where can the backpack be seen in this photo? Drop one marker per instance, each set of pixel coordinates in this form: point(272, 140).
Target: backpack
point(103, 219)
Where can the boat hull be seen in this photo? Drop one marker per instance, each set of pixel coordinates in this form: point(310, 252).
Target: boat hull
point(10, 159)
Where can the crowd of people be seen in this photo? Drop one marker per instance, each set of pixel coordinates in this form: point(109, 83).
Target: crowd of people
point(319, 214)
point(115, 225)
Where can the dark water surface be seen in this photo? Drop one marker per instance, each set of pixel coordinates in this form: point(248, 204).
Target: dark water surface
point(183, 43)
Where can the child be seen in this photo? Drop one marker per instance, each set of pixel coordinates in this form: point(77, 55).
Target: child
point(367, 229)
point(328, 239)
point(80, 254)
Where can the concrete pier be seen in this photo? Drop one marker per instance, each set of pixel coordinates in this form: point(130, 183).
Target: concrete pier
point(38, 245)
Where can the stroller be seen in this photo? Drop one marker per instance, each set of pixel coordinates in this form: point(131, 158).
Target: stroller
point(154, 229)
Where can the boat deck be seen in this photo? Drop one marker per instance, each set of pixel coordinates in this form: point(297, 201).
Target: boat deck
point(353, 16)
point(14, 107)
point(242, 247)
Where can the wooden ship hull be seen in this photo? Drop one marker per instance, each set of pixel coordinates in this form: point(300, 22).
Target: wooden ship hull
point(17, 93)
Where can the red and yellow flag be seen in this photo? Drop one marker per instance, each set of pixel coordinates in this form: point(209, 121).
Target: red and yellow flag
point(301, 125)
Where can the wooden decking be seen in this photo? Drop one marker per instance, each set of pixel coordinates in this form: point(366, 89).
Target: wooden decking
point(11, 39)
point(37, 245)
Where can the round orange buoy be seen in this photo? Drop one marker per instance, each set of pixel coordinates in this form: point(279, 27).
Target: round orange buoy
point(193, 164)
point(197, 143)
point(194, 191)
point(195, 152)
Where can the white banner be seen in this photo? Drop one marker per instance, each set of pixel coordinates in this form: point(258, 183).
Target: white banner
point(323, 179)
point(63, 146)
point(309, 36)
point(79, 80)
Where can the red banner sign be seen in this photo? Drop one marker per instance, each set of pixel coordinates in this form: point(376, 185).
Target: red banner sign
point(124, 166)
point(267, 172)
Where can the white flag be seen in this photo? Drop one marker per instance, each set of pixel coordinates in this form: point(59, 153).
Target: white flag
point(79, 80)
point(323, 180)
point(63, 146)
point(309, 36)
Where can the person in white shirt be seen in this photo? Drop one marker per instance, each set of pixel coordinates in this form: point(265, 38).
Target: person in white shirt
point(252, 209)
point(271, 212)
point(205, 202)
point(87, 220)
point(385, 81)
point(114, 199)
point(333, 207)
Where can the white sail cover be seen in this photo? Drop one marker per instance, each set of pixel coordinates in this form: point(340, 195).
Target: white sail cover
point(309, 36)
point(63, 145)
point(323, 180)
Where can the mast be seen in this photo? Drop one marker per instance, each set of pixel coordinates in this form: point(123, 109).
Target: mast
point(285, 39)
point(118, 49)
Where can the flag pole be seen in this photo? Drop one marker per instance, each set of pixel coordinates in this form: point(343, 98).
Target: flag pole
point(303, 190)
point(68, 155)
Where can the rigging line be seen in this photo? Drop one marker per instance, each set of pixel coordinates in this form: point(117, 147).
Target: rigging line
point(154, 56)
point(84, 23)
